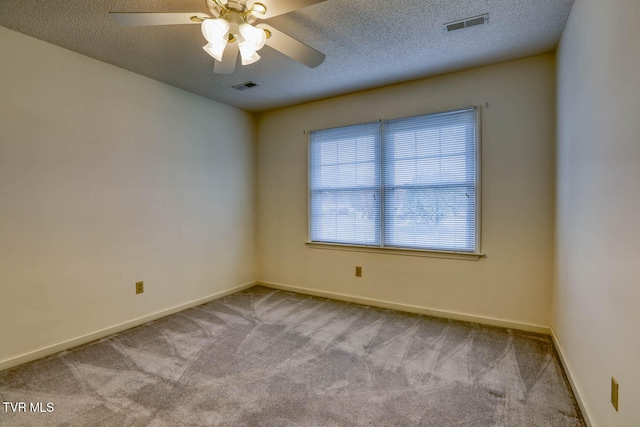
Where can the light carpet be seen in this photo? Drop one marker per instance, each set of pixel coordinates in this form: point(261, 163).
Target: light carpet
point(264, 357)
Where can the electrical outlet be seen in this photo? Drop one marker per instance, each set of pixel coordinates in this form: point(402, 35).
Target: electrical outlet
point(139, 287)
point(358, 271)
point(614, 393)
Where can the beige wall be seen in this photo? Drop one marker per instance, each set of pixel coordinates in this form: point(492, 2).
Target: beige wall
point(596, 314)
point(513, 282)
point(107, 178)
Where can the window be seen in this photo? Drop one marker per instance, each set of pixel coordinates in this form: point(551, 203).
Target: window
point(408, 183)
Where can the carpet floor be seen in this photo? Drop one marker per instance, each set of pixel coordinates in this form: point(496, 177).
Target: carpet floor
point(264, 357)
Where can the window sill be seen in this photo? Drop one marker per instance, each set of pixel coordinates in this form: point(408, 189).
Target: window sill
point(469, 256)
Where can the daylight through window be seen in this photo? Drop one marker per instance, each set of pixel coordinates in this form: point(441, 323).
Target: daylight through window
point(405, 183)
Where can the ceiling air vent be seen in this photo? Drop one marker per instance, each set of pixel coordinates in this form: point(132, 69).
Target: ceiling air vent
point(468, 22)
point(244, 86)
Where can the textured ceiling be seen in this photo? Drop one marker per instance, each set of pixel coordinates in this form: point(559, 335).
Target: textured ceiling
point(368, 43)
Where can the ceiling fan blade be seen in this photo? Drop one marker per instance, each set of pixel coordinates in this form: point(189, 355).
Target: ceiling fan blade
point(293, 48)
point(140, 19)
point(229, 59)
point(279, 7)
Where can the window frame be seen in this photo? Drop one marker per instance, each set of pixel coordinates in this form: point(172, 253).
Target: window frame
point(396, 250)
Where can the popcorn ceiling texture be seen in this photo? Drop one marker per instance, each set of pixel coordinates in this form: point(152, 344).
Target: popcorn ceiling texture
point(264, 357)
point(368, 44)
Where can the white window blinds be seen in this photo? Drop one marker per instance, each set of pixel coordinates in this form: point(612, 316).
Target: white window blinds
point(345, 185)
point(407, 183)
point(430, 181)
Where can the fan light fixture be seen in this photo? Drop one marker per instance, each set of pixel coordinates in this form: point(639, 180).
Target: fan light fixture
point(233, 27)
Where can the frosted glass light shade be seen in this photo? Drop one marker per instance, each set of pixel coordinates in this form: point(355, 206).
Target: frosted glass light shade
point(248, 56)
point(254, 38)
point(215, 29)
point(216, 50)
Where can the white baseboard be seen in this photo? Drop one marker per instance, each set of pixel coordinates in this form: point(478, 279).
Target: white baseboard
point(588, 419)
point(510, 324)
point(74, 342)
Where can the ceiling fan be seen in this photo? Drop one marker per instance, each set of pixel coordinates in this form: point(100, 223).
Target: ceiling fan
point(229, 30)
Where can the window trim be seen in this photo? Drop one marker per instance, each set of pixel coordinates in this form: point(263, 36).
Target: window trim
point(392, 250)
